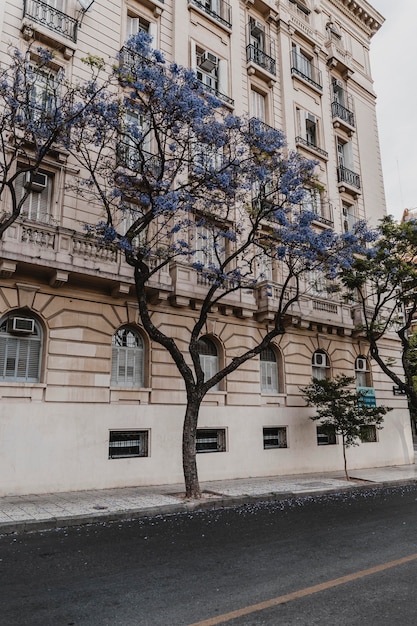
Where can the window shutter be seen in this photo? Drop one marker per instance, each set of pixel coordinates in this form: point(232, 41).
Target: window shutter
point(152, 30)
point(193, 56)
point(223, 78)
point(258, 105)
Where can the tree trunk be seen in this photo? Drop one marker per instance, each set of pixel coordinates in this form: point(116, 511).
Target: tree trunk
point(344, 457)
point(189, 435)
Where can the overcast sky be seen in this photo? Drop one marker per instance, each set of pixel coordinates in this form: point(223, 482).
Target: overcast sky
point(393, 59)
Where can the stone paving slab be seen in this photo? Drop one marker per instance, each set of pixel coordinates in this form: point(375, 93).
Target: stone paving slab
point(20, 513)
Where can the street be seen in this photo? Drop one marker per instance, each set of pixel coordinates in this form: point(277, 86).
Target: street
point(337, 559)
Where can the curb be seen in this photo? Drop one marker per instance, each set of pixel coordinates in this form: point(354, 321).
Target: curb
point(53, 523)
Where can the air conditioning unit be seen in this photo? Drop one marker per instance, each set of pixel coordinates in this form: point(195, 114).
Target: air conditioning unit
point(311, 118)
point(256, 28)
point(22, 325)
point(361, 364)
point(319, 359)
point(338, 83)
point(207, 61)
point(36, 181)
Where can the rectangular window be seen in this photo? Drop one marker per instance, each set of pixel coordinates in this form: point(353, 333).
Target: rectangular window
point(349, 217)
point(275, 437)
point(44, 92)
point(211, 440)
point(35, 192)
point(258, 105)
point(128, 443)
point(368, 434)
point(136, 24)
point(326, 435)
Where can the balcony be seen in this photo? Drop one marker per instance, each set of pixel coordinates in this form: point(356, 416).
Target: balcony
point(343, 117)
point(217, 94)
point(257, 57)
point(52, 19)
point(300, 141)
point(219, 10)
point(303, 68)
point(348, 181)
point(61, 252)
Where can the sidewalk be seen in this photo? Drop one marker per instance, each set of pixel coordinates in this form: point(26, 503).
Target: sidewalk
point(54, 510)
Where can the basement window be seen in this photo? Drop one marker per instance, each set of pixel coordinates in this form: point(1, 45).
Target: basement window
point(211, 440)
point(275, 437)
point(326, 436)
point(124, 444)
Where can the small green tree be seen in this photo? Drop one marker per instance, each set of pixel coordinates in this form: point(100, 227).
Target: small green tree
point(342, 408)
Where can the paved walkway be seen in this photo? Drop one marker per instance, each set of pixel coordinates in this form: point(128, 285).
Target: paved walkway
point(36, 512)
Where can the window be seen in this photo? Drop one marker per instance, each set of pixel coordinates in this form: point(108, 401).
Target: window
point(338, 92)
point(206, 157)
point(210, 246)
point(20, 349)
point(135, 145)
point(211, 440)
point(302, 66)
point(344, 154)
point(326, 435)
point(264, 267)
point(124, 444)
point(318, 286)
point(368, 433)
point(127, 359)
point(345, 171)
point(361, 372)
point(301, 62)
point(44, 92)
point(312, 201)
point(275, 437)
point(212, 72)
point(258, 105)
point(269, 371)
point(349, 218)
point(209, 359)
point(136, 24)
point(260, 49)
point(320, 365)
point(34, 189)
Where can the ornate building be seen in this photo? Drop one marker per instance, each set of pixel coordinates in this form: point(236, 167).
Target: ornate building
point(87, 400)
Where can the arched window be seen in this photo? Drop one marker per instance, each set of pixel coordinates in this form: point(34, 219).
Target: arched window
point(209, 358)
point(127, 359)
point(362, 373)
point(320, 365)
point(269, 371)
point(20, 349)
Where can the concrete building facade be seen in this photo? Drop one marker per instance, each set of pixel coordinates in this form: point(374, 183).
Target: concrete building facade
point(72, 416)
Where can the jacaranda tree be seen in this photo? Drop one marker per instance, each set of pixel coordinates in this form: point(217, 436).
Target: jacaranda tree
point(180, 180)
point(382, 283)
point(38, 109)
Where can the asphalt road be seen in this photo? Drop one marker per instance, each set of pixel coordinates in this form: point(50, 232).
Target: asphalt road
point(345, 559)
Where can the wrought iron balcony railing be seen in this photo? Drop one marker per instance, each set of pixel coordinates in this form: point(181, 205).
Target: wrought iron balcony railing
point(220, 10)
point(338, 110)
point(53, 19)
point(312, 146)
point(303, 67)
point(347, 176)
point(218, 94)
point(260, 58)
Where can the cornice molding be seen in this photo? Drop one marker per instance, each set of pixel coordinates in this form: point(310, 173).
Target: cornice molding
point(363, 13)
